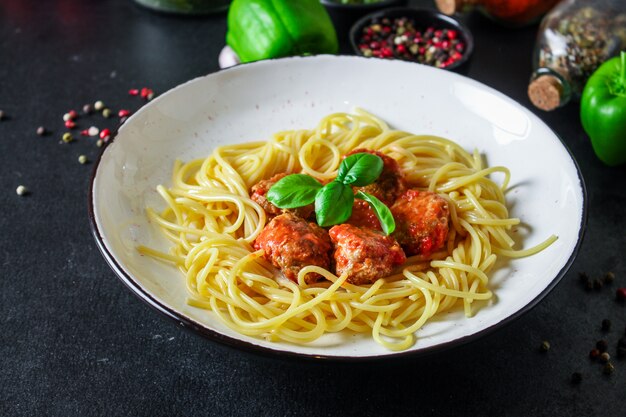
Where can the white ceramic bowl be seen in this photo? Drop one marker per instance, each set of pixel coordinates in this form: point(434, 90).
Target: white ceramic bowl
point(250, 102)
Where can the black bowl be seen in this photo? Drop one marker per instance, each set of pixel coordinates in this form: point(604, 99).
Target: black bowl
point(344, 15)
point(422, 18)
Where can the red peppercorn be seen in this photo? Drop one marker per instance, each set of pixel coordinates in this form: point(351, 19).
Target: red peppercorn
point(104, 134)
point(452, 34)
point(620, 293)
point(460, 47)
point(133, 92)
point(594, 353)
point(401, 49)
point(374, 45)
point(123, 113)
point(84, 132)
point(73, 115)
point(70, 124)
point(438, 33)
point(445, 44)
point(146, 93)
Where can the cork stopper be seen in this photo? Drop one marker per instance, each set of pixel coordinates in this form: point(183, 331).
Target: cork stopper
point(449, 6)
point(545, 92)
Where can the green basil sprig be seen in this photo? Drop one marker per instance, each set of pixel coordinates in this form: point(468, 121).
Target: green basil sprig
point(333, 201)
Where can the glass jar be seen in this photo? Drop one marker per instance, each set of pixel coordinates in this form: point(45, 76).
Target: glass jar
point(189, 7)
point(507, 12)
point(574, 39)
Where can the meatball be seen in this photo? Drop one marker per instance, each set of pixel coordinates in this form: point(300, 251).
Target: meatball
point(422, 221)
point(363, 216)
point(390, 184)
point(291, 243)
point(364, 254)
point(259, 191)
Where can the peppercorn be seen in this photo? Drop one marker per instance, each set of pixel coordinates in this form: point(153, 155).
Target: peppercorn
point(83, 159)
point(597, 284)
point(104, 134)
point(93, 131)
point(70, 124)
point(577, 378)
point(87, 109)
point(98, 105)
point(123, 119)
point(606, 325)
point(99, 143)
point(146, 93)
point(2, 115)
point(605, 357)
point(608, 368)
point(67, 137)
point(133, 92)
point(583, 277)
point(21, 190)
point(609, 277)
point(594, 354)
point(401, 38)
point(589, 286)
point(106, 113)
point(545, 346)
point(620, 294)
point(41, 130)
point(123, 113)
point(602, 345)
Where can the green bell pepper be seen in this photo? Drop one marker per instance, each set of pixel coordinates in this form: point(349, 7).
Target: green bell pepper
point(261, 29)
point(603, 110)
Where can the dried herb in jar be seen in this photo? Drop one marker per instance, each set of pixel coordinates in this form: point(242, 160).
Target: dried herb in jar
point(574, 40)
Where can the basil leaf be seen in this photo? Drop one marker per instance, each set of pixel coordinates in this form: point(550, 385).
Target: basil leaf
point(333, 204)
point(295, 190)
point(381, 210)
point(360, 169)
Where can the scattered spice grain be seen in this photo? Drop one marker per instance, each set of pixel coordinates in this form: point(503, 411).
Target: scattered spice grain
point(21, 190)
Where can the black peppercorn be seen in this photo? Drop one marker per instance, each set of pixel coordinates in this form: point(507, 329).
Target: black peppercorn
point(597, 284)
point(577, 378)
point(583, 277)
point(602, 345)
point(609, 277)
point(545, 346)
point(608, 368)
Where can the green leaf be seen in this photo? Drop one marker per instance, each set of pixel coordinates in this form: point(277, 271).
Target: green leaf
point(360, 169)
point(381, 210)
point(333, 204)
point(295, 190)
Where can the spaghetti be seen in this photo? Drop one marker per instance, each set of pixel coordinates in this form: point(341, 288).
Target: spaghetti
point(212, 222)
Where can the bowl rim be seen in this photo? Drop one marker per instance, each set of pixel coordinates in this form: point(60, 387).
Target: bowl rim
point(364, 6)
point(268, 352)
point(436, 15)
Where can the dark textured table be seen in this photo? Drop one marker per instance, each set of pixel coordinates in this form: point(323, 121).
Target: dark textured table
point(75, 342)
